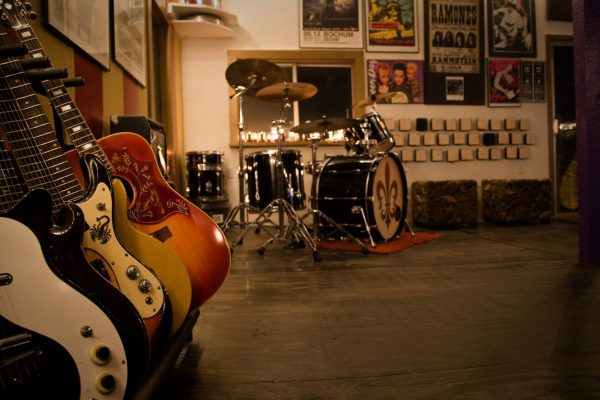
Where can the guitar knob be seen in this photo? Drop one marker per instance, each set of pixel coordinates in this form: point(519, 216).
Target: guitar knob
point(145, 286)
point(133, 272)
point(101, 206)
point(106, 383)
point(100, 354)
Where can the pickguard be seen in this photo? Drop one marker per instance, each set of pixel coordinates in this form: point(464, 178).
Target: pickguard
point(100, 238)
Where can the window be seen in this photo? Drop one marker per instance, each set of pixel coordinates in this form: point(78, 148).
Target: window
point(339, 77)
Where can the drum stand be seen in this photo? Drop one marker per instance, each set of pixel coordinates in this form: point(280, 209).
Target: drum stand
point(242, 207)
point(296, 230)
point(316, 213)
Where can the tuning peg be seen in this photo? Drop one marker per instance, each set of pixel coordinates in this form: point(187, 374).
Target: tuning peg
point(75, 81)
point(12, 50)
point(35, 63)
point(42, 75)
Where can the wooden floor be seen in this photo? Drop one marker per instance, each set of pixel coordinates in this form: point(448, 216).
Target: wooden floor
point(495, 312)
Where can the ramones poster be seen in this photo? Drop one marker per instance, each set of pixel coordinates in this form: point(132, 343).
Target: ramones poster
point(454, 63)
point(454, 36)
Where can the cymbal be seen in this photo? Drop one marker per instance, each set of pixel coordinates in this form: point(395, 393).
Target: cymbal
point(291, 91)
point(325, 125)
point(375, 99)
point(253, 74)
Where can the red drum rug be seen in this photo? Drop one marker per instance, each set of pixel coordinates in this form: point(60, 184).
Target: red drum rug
point(404, 241)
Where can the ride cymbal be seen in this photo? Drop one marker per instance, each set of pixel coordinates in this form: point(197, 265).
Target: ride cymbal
point(292, 91)
point(325, 125)
point(253, 74)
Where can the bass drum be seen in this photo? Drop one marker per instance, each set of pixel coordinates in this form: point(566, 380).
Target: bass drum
point(261, 178)
point(374, 183)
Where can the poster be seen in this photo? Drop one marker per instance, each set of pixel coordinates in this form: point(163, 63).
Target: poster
point(454, 36)
point(503, 82)
point(392, 25)
point(402, 80)
point(539, 81)
point(511, 28)
point(526, 81)
point(331, 23)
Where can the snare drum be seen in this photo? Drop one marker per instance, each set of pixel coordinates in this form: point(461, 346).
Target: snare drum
point(373, 126)
point(374, 183)
point(206, 177)
point(261, 178)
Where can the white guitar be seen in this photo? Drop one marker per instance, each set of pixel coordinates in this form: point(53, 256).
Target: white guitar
point(32, 297)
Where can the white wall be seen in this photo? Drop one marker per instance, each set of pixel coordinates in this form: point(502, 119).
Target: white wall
point(273, 24)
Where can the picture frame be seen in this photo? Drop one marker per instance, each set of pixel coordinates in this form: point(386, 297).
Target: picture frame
point(402, 80)
point(504, 83)
point(129, 33)
point(454, 69)
point(559, 10)
point(391, 26)
point(512, 29)
point(83, 24)
point(331, 24)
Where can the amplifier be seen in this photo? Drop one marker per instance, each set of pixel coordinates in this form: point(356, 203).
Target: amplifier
point(152, 131)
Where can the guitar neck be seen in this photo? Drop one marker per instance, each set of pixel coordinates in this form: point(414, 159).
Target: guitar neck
point(70, 117)
point(11, 186)
point(38, 154)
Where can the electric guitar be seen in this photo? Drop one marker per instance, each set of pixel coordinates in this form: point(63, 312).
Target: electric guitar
point(46, 315)
point(156, 209)
point(63, 246)
point(159, 257)
point(43, 165)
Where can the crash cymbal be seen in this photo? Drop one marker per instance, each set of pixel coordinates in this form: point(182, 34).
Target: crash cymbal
point(380, 98)
point(292, 91)
point(325, 125)
point(253, 74)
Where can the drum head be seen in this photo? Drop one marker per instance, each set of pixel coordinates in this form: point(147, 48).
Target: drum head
point(388, 198)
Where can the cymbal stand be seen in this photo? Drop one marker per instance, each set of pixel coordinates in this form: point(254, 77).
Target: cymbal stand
point(295, 229)
point(242, 207)
point(314, 210)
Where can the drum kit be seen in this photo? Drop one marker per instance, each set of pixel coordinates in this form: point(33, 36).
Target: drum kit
point(354, 196)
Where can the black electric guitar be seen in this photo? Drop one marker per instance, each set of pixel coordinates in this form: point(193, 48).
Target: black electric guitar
point(50, 330)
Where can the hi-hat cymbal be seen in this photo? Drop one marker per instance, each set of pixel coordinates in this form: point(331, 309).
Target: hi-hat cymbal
point(292, 91)
point(375, 99)
point(253, 74)
point(325, 125)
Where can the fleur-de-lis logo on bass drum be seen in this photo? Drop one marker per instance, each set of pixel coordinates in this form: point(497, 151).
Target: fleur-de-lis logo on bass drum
point(388, 197)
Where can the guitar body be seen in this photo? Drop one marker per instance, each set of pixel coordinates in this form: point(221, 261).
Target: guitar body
point(34, 298)
point(161, 212)
point(70, 264)
point(107, 254)
point(160, 257)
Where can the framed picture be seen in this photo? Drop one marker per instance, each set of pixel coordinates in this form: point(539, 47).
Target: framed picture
point(511, 28)
point(84, 24)
point(559, 10)
point(503, 82)
point(454, 46)
point(129, 26)
point(391, 25)
point(401, 79)
point(331, 23)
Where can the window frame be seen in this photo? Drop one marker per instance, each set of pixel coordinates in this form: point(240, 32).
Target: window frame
point(353, 59)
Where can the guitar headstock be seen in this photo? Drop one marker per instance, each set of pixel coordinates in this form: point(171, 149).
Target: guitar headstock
point(16, 13)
